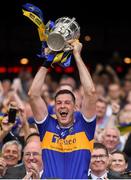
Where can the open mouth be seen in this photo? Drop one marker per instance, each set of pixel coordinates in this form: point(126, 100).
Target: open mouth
point(63, 114)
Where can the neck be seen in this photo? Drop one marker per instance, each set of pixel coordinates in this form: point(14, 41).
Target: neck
point(65, 125)
point(98, 173)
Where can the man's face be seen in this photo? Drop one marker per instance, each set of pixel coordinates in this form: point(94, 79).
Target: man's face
point(32, 156)
point(64, 107)
point(114, 91)
point(11, 155)
point(118, 163)
point(100, 109)
point(111, 139)
point(99, 161)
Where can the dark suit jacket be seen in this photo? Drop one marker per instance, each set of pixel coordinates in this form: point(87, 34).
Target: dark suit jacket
point(110, 175)
point(17, 172)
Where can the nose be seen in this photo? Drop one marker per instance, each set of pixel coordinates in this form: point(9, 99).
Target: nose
point(111, 138)
point(62, 104)
point(98, 158)
point(11, 153)
point(31, 156)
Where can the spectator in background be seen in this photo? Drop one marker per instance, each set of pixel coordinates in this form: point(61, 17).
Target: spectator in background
point(100, 90)
point(5, 87)
point(105, 76)
point(32, 159)
point(20, 128)
point(10, 156)
point(119, 162)
point(126, 87)
point(100, 163)
point(6, 84)
point(114, 95)
point(22, 83)
point(128, 98)
point(127, 150)
point(65, 79)
point(32, 167)
point(101, 109)
point(111, 138)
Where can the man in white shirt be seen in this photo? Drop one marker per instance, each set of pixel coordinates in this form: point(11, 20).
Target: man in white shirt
point(99, 163)
point(32, 159)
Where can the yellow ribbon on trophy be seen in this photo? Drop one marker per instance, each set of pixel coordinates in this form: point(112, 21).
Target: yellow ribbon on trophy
point(41, 27)
point(36, 16)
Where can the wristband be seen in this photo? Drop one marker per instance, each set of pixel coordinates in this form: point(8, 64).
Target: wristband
point(46, 64)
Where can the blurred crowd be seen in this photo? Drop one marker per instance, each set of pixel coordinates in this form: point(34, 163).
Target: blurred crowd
point(112, 148)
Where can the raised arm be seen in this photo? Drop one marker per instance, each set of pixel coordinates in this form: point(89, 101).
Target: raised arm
point(89, 99)
point(37, 103)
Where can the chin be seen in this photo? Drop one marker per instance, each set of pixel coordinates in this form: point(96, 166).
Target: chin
point(64, 123)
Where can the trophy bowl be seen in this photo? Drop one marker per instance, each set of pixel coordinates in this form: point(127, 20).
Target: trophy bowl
point(65, 29)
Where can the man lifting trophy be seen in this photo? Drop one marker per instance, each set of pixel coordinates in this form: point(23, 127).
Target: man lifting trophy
point(67, 138)
point(54, 35)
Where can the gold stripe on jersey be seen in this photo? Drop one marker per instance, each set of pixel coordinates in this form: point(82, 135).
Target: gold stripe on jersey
point(77, 141)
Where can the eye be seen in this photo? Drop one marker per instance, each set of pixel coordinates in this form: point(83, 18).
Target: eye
point(68, 102)
point(58, 102)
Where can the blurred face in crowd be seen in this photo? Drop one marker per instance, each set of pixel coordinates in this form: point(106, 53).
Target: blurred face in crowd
point(11, 154)
point(98, 134)
point(64, 108)
point(99, 161)
point(100, 90)
point(68, 80)
point(33, 156)
point(129, 97)
point(100, 109)
point(127, 86)
point(111, 138)
point(114, 91)
point(125, 114)
point(6, 84)
point(118, 163)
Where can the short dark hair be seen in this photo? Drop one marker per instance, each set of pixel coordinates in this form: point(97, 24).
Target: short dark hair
point(98, 145)
point(122, 153)
point(65, 91)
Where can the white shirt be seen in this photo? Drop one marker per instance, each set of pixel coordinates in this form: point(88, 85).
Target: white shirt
point(40, 174)
point(103, 177)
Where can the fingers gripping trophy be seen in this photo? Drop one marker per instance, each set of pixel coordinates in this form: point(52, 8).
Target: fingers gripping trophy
point(54, 36)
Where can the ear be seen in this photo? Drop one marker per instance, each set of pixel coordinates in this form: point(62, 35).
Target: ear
point(126, 165)
point(76, 108)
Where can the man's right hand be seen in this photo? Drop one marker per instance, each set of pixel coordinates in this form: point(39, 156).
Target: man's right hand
point(6, 126)
point(3, 166)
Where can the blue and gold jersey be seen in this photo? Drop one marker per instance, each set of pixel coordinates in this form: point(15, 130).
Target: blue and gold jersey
point(67, 151)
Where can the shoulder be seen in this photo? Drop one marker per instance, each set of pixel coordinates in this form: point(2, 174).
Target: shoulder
point(113, 175)
point(17, 172)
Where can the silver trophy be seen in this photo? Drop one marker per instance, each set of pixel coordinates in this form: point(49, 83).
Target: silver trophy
point(65, 29)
